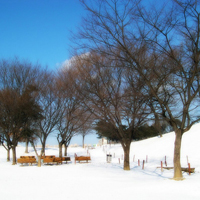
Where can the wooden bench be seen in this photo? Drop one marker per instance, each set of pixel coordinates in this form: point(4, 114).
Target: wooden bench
point(49, 156)
point(51, 159)
point(82, 158)
point(185, 169)
point(27, 159)
point(66, 159)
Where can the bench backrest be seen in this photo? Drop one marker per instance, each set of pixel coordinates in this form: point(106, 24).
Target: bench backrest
point(27, 157)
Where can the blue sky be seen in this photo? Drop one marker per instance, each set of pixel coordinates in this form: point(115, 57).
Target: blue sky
point(38, 30)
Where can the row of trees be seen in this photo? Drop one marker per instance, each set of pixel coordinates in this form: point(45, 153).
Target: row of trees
point(139, 61)
point(34, 103)
point(134, 64)
point(80, 97)
point(116, 99)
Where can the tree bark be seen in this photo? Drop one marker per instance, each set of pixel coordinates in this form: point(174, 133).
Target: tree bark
point(8, 155)
point(126, 149)
point(65, 152)
point(157, 124)
point(43, 148)
point(33, 145)
point(177, 155)
point(83, 140)
point(14, 155)
point(60, 149)
point(26, 149)
point(39, 161)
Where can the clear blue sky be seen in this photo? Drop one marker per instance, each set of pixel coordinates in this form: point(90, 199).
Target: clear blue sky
point(38, 30)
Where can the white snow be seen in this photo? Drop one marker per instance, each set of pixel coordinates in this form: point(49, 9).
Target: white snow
point(100, 180)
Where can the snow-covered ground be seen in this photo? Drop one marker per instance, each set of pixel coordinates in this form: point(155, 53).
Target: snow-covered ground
point(100, 180)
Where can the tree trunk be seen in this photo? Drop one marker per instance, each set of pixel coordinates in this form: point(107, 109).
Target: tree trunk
point(26, 149)
point(43, 149)
point(14, 155)
point(177, 156)
point(8, 155)
point(38, 156)
point(8, 152)
point(126, 149)
point(33, 145)
point(65, 152)
point(39, 161)
point(60, 149)
point(83, 140)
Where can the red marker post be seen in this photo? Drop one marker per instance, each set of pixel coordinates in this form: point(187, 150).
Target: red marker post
point(161, 166)
point(143, 164)
point(166, 161)
point(189, 169)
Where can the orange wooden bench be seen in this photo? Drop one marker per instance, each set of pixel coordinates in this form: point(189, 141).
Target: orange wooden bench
point(82, 158)
point(27, 159)
point(66, 159)
point(51, 159)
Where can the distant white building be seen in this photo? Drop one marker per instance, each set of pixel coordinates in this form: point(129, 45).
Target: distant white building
point(102, 141)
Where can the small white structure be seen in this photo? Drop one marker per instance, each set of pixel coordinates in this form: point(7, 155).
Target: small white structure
point(102, 141)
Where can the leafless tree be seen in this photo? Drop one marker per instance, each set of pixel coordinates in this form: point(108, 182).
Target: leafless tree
point(141, 36)
point(17, 101)
point(108, 98)
point(85, 130)
point(51, 105)
point(73, 114)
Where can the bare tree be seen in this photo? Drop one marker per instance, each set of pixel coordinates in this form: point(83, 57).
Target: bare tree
point(18, 113)
point(85, 130)
point(108, 99)
point(73, 114)
point(17, 101)
point(51, 106)
point(142, 36)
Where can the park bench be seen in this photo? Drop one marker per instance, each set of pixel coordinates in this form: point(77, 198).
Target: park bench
point(66, 159)
point(51, 159)
point(27, 159)
point(185, 169)
point(82, 158)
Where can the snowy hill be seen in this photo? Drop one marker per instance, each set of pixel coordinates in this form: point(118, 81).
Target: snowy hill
point(101, 180)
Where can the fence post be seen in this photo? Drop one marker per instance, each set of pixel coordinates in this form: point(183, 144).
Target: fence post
point(75, 158)
point(138, 162)
point(146, 158)
point(119, 160)
point(143, 164)
point(166, 161)
point(189, 169)
point(161, 166)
